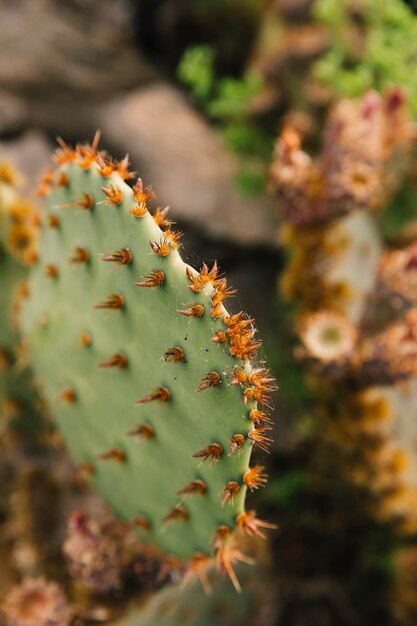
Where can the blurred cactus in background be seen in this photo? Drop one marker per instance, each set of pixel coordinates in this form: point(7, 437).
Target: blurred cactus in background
point(352, 310)
point(19, 222)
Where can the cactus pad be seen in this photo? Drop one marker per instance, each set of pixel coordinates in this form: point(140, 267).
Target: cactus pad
point(148, 375)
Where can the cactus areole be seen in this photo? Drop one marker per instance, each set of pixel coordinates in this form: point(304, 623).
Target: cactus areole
point(148, 375)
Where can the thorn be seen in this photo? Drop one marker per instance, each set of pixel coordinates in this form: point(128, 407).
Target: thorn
point(236, 443)
point(193, 310)
point(117, 361)
point(66, 396)
point(85, 339)
point(197, 566)
point(221, 537)
point(64, 154)
point(219, 337)
point(230, 492)
point(162, 248)
point(53, 220)
point(258, 417)
point(211, 380)
point(80, 255)
point(51, 271)
point(142, 197)
point(141, 522)
point(122, 168)
point(213, 452)
point(86, 203)
point(144, 431)
point(257, 436)
point(114, 195)
point(174, 355)
point(96, 141)
point(116, 454)
point(160, 217)
point(254, 478)
point(239, 377)
point(161, 394)
point(176, 514)
point(156, 278)
point(194, 487)
point(227, 555)
point(86, 468)
point(114, 301)
point(169, 564)
point(120, 257)
point(249, 524)
point(173, 237)
point(62, 179)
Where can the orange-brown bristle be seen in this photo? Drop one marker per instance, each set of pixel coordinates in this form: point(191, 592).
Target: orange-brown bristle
point(259, 438)
point(194, 487)
point(213, 452)
point(249, 524)
point(113, 194)
point(121, 257)
point(117, 361)
point(219, 337)
point(162, 248)
point(174, 355)
point(176, 514)
point(144, 431)
point(192, 310)
point(236, 443)
point(114, 301)
point(141, 522)
point(255, 478)
point(160, 217)
point(258, 418)
point(51, 270)
point(80, 255)
point(115, 454)
point(52, 220)
point(161, 394)
point(230, 492)
point(87, 202)
point(212, 379)
point(85, 339)
point(67, 396)
point(156, 278)
point(86, 468)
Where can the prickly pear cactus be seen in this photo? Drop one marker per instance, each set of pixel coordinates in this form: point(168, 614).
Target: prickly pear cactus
point(18, 228)
point(175, 605)
point(148, 375)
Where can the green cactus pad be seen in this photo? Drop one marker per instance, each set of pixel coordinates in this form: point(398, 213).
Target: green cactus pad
point(138, 388)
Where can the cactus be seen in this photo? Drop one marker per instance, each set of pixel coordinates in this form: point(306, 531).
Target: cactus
point(18, 228)
point(176, 605)
point(148, 375)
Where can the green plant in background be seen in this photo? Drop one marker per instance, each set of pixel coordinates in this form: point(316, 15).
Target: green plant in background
point(373, 46)
point(18, 231)
point(150, 378)
point(226, 100)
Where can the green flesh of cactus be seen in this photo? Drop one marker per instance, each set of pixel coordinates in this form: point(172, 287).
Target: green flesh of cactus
point(103, 408)
point(18, 399)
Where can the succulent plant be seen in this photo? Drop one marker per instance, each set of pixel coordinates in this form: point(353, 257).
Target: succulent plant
point(178, 605)
point(150, 378)
point(18, 229)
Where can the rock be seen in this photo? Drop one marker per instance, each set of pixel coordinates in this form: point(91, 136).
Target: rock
point(60, 58)
point(177, 152)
